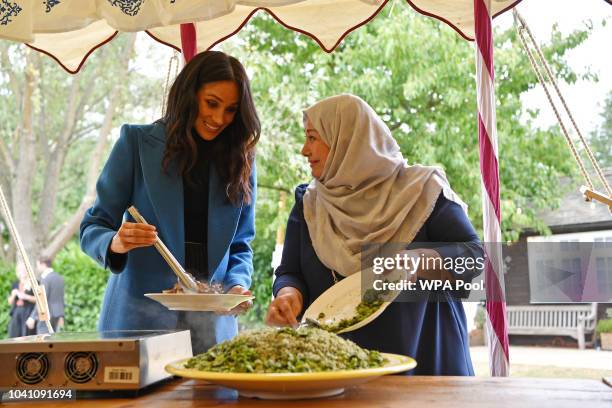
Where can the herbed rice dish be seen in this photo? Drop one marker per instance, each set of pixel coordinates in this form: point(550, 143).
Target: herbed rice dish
point(285, 350)
point(214, 288)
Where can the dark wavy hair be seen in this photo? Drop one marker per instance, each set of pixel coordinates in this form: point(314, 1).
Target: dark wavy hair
point(235, 149)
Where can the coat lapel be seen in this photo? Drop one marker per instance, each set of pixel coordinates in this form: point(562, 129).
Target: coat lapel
point(165, 192)
point(166, 195)
point(222, 222)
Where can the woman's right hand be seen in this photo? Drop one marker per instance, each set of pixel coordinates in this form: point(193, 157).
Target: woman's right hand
point(133, 235)
point(285, 307)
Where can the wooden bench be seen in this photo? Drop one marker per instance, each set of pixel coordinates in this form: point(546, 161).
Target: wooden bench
point(563, 320)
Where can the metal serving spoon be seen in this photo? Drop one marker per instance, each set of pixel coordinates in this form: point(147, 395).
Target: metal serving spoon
point(186, 280)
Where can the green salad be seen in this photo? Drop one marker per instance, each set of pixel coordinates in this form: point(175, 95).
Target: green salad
point(372, 301)
point(362, 311)
point(285, 350)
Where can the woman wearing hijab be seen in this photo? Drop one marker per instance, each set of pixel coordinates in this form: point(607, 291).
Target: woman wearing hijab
point(364, 192)
point(191, 175)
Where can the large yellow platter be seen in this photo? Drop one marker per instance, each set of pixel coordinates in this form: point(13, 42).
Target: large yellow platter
point(295, 385)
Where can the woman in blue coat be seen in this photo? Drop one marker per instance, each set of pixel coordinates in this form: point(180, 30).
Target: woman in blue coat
point(363, 192)
point(192, 176)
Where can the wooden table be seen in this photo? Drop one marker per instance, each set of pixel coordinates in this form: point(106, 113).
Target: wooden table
point(385, 392)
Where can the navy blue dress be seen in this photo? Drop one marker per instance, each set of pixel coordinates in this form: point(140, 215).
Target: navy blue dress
point(433, 332)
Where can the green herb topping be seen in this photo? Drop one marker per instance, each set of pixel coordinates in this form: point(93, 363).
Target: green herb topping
point(286, 350)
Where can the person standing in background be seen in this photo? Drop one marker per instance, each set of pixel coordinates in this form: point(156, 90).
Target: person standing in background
point(54, 289)
point(22, 302)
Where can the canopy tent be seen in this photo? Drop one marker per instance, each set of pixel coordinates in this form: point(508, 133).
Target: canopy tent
point(70, 30)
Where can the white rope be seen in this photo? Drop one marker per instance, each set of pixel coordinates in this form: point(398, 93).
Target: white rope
point(39, 295)
point(521, 27)
point(552, 104)
point(174, 61)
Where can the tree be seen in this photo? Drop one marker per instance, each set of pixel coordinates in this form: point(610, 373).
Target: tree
point(601, 138)
point(418, 74)
point(54, 133)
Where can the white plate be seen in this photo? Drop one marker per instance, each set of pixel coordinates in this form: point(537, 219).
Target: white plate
point(200, 302)
point(295, 385)
point(340, 302)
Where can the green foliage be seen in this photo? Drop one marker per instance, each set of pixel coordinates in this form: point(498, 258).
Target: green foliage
point(55, 139)
point(267, 221)
point(604, 326)
point(84, 287)
point(85, 281)
point(418, 74)
point(601, 139)
point(480, 317)
point(7, 277)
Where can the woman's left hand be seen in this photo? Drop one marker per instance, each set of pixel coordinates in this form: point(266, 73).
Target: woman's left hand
point(244, 306)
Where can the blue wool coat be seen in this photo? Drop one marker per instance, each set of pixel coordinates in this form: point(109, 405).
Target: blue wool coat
point(133, 175)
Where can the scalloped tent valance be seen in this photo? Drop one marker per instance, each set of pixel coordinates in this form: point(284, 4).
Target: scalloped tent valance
point(70, 30)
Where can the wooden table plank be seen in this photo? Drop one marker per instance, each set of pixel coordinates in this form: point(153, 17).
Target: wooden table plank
point(386, 392)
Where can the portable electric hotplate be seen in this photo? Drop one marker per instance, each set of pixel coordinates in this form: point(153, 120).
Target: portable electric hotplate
point(125, 361)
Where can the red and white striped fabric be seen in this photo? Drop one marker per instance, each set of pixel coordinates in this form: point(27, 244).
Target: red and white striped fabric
point(497, 325)
point(189, 42)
